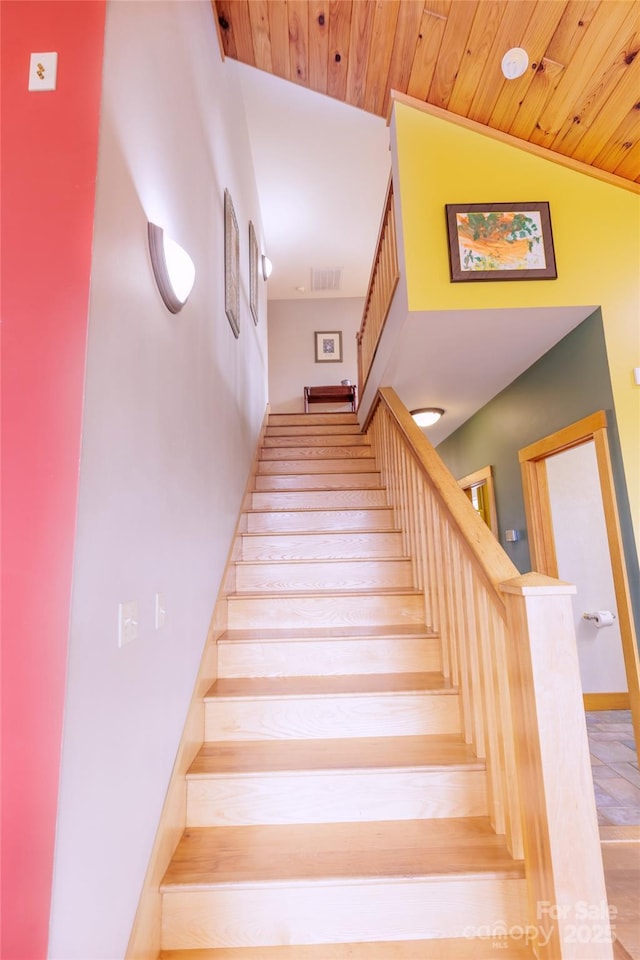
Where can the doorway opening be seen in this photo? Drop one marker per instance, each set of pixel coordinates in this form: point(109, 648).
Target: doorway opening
point(478, 487)
point(548, 524)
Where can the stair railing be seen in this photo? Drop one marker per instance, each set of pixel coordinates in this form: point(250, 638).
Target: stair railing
point(382, 284)
point(509, 647)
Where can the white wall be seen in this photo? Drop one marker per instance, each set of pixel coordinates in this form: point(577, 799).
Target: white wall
point(292, 365)
point(173, 408)
point(582, 552)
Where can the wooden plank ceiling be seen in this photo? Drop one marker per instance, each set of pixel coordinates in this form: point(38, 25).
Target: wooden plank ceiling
point(580, 96)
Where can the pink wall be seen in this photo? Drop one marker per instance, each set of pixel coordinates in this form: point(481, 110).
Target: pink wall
point(49, 150)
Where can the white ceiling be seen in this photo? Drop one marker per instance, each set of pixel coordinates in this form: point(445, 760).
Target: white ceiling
point(440, 361)
point(322, 169)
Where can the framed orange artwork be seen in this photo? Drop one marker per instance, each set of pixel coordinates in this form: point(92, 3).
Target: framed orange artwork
point(500, 241)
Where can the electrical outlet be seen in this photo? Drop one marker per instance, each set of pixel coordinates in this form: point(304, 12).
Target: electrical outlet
point(127, 622)
point(161, 613)
point(43, 70)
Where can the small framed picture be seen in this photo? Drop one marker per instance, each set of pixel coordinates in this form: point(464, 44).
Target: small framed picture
point(253, 272)
point(328, 346)
point(231, 265)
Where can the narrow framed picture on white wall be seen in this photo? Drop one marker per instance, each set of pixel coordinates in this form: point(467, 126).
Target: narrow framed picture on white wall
point(231, 265)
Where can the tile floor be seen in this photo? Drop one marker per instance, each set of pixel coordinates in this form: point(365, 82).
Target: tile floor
point(614, 762)
point(616, 782)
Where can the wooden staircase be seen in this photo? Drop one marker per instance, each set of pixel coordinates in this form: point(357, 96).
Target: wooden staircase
point(334, 810)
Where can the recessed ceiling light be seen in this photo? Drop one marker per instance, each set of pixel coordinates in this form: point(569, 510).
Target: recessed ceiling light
point(514, 63)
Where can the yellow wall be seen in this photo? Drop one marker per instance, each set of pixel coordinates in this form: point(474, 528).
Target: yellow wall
point(596, 232)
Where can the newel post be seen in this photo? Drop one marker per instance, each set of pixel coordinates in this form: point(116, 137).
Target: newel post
point(568, 909)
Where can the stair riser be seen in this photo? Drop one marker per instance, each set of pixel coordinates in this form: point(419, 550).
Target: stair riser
point(329, 913)
point(323, 575)
point(318, 499)
point(303, 452)
point(319, 440)
point(361, 464)
point(322, 546)
point(322, 430)
point(283, 521)
point(322, 481)
point(304, 420)
point(250, 613)
point(299, 658)
point(335, 797)
point(331, 717)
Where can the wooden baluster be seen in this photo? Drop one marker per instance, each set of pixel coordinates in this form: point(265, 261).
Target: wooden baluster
point(512, 827)
point(416, 536)
point(472, 585)
point(494, 752)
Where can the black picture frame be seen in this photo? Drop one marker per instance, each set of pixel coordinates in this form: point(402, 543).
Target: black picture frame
point(500, 241)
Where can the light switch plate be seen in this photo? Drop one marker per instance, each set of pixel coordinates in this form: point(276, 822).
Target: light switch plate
point(161, 613)
point(127, 622)
point(43, 71)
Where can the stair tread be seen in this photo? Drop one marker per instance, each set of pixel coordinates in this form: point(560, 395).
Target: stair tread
point(308, 592)
point(327, 633)
point(332, 561)
point(353, 438)
point(315, 430)
point(469, 948)
point(305, 461)
point(324, 489)
point(366, 753)
point(326, 416)
point(321, 452)
point(351, 508)
point(319, 533)
point(464, 847)
point(337, 685)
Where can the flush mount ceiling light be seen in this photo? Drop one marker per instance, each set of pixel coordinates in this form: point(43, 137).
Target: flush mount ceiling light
point(172, 267)
point(514, 63)
point(267, 267)
point(427, 416)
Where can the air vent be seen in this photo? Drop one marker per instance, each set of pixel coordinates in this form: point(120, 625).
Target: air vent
point(328, 279)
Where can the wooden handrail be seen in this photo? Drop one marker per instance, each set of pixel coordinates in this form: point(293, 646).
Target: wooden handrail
point(508, 645)
point(493, 563)
point(382, 285)
point(458, 565)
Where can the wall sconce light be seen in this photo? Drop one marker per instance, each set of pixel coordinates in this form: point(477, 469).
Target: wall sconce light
point(514, 63)
point(173, 269)
point(267, 267)
point(427, 416)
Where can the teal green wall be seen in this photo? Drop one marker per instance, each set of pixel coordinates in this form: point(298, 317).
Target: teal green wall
point(568, 383)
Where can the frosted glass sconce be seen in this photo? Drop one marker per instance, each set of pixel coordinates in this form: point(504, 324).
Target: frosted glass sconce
point(173, 269)
point(267, 267)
